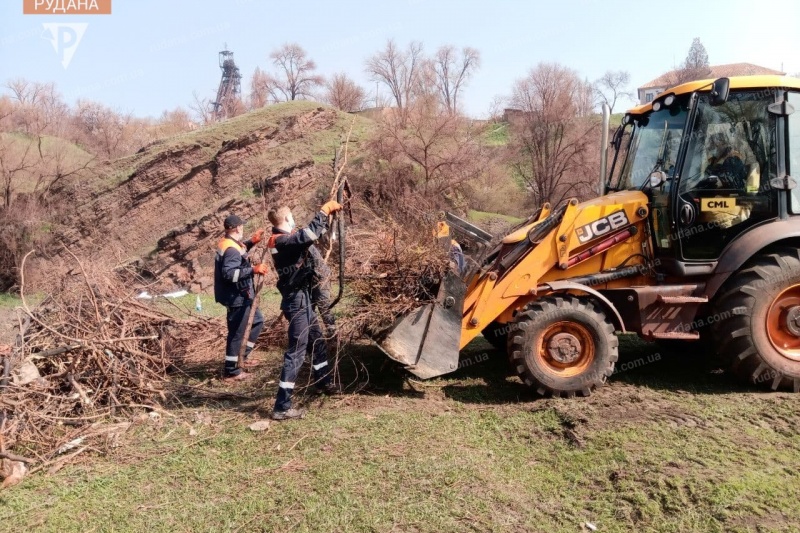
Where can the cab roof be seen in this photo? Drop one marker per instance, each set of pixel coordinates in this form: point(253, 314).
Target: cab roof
point(737, 82)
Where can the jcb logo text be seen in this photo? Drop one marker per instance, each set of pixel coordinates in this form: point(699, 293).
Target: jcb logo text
point(600, 227)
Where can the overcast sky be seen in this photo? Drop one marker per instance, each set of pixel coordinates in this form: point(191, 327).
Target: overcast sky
point(150, 55)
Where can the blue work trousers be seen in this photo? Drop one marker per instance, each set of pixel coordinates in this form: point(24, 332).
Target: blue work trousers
point(305, 335)
point(237, 323)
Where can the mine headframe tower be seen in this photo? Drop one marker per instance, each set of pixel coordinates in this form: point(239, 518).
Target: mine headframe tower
point(230, 86)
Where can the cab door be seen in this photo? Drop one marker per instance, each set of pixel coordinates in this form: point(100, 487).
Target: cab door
point(724, 188)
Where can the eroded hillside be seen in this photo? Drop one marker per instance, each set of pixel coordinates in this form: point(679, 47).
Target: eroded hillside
point(162, 208)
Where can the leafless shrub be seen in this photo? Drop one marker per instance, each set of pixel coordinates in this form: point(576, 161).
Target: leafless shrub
point(343, 93)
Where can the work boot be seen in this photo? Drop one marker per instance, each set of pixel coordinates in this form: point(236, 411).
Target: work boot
point(241, 376)
point(288, 415)
point(330, 389)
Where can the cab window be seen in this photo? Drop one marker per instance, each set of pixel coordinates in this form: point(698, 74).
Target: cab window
point(724, 187)
point(794, 149)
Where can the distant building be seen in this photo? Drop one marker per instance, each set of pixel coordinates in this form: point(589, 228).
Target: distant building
point(511, 114)
point(649, 90)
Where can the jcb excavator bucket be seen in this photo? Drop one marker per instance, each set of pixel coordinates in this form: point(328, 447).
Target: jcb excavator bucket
point(427, 340)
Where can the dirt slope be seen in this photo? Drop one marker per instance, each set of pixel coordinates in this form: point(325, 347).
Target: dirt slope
point(163, 207)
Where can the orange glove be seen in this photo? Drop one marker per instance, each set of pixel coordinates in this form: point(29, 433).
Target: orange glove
point(260, 268)
point(331, 207)
point(257, 236)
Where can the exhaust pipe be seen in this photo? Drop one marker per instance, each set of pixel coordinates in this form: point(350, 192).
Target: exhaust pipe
point(604, 149)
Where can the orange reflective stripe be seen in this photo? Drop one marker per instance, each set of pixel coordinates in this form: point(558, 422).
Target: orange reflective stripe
point(226, 243)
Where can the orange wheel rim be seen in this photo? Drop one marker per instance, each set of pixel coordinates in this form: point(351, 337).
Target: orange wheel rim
point(783, 323)
point(565, 349)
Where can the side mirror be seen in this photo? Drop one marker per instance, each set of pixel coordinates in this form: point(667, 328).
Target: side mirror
point(616, 141)
point(719, 91)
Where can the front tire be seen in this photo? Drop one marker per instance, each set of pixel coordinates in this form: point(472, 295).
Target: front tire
point(563, 346)
point(758, 332)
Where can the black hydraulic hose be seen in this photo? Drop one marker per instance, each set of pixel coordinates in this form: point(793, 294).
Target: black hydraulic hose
point(605, 277)
point(340, 230)
point(536, 234)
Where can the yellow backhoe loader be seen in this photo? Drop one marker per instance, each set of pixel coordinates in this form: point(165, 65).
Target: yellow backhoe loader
point(696, 231)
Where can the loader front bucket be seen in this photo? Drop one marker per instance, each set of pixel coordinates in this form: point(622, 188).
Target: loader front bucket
point(428, 339)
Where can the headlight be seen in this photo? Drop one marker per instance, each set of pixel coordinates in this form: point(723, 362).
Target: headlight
point(656, 106)
point(669, 100)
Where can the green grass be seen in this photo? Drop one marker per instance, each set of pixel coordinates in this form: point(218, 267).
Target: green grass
point(318, 146)
point(483, 216)
point(183, 305)
point(23, 148)
point(9, 301)
point(667, 447)
point(497, 134)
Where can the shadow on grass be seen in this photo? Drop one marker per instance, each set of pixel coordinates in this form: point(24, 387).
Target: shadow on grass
point(483, 377)
point(674, 366)
point(488, 379)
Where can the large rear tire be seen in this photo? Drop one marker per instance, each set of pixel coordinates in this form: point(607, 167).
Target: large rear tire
point(757, 325)
point(563, 346)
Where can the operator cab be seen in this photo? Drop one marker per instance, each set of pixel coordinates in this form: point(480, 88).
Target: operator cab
point(712, 158)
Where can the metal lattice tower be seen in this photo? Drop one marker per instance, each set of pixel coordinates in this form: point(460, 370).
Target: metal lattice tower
point(230, 86)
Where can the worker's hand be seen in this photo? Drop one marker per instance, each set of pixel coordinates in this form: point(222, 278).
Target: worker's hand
point(331, 207)
point(711, 182)
point(260, 268)
point(257, 236)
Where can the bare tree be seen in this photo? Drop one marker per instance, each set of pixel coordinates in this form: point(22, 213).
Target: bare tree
point(7, 109)
point(584, 98)
point(55, 167)
point(399, 71)
point(496, 108)
point(174, 122)
point(695, 66)
point(343, 93)
point(429, 149)
point(38, 108)
point(232, 107)
point(259, 89)
point(551, 143)
point(201, 107)
point(453, 71)
point(295, 79)
point(15, 161)
point(103, 127)
point(24, 91)
point(612, 86)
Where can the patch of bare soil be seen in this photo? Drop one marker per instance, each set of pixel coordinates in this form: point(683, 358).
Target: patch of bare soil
point(8, 319)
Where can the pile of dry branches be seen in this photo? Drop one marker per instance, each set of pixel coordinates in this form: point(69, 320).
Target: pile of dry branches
point(391, 267)
point(89, 350)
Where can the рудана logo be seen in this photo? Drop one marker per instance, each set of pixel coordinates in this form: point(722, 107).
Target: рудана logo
point(65, 38)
